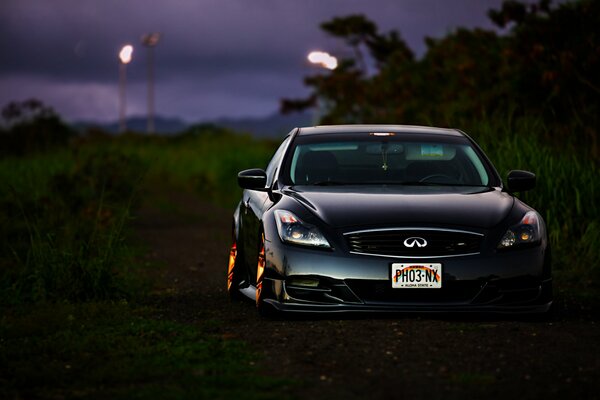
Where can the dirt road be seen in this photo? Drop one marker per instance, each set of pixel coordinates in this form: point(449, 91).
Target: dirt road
point(373, 356)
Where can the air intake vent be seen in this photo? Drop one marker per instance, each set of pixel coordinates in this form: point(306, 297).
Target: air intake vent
point(415, 243)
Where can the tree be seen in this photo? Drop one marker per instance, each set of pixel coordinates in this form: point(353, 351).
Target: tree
point(31, 126)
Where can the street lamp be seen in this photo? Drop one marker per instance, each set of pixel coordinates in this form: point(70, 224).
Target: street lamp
point(124, 59)
point(150, 41)
point(325, 60)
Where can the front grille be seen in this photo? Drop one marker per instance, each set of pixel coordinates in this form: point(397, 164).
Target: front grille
point(395, 242)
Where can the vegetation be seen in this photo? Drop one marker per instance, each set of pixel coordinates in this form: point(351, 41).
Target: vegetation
point(74, 320)
point(565, 194)
point(65, 213)
point(204, 158)
point(31, 126)
point(63, 222)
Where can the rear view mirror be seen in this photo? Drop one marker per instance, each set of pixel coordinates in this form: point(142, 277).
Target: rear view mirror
point(390, 148)
point(254, 179)
point(520, 181)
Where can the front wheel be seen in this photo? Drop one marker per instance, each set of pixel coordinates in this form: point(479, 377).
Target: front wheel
point(260, 271)
point(233, 272)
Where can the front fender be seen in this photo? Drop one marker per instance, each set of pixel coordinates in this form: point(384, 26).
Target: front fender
point(236, 222)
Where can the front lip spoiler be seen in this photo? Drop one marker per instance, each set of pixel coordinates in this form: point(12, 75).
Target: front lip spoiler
point(407, 308)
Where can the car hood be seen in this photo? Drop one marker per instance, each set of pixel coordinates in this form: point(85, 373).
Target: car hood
point(356, 206)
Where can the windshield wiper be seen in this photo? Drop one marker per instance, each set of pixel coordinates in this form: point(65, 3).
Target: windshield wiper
point(408, 183)
point(417, 183)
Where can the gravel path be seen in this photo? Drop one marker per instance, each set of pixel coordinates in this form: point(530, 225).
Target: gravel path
point(374, 356)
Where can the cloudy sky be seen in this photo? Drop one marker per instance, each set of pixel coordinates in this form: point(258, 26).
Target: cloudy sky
point(216, 57)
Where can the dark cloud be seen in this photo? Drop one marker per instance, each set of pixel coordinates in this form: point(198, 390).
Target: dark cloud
point(216, 58)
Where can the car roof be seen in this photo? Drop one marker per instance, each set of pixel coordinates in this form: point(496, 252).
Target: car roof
point(333, 129)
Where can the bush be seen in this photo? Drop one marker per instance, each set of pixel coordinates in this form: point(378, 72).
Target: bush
point(31, 127)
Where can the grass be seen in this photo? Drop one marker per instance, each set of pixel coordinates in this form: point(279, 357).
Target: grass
point(63, 226)
point(118, 351)
point(203, 159)
point(566, 195)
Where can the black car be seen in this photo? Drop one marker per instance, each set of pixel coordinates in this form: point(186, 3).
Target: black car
point(387, 218)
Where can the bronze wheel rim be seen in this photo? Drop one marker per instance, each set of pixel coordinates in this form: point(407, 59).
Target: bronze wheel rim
point(260, 270)
point(230, 270)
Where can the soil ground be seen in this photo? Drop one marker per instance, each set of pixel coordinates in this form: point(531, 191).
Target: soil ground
point(368, 356)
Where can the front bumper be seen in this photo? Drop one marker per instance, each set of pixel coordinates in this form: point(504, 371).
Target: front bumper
point(509, 282)
point(541, 302)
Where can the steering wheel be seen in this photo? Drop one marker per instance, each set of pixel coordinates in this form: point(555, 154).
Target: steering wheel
point(445, 178)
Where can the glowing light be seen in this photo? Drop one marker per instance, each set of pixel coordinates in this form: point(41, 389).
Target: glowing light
point(126, 53)
point(323, 59)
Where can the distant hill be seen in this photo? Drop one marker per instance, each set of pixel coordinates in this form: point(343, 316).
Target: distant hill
point(164, 125)
point(273, 126)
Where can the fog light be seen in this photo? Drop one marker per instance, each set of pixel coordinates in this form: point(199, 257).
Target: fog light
point(304, 282)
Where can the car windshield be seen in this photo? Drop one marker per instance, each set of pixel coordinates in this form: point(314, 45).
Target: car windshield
point(386, 161)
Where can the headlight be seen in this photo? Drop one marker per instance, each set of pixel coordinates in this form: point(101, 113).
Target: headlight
point(292, 230)
point(526, 232)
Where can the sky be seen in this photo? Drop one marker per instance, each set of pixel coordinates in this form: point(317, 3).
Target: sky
point(216, 58)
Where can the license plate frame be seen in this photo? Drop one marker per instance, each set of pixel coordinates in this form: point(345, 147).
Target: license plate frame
point(416, 275)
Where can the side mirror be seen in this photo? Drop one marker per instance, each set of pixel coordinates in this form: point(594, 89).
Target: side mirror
point(520, 181)
point(254, 179)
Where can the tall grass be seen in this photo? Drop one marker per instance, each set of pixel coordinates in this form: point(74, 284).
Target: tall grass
point(205, 160)
point(566, 193)
point(62, 224)
point(65, 214)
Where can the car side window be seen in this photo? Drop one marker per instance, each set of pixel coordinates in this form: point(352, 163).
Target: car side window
point(275, 161)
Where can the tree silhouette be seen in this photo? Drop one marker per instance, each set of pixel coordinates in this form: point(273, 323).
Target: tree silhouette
point(31, 126)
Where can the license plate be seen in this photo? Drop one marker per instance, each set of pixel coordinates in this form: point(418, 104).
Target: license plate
point(416, 276)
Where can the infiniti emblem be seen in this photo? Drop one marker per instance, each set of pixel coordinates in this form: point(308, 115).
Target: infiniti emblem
point(411, 241)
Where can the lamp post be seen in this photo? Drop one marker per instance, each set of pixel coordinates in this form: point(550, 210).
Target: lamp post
point(124, 59)
point(324, 60)
point(150, 41)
